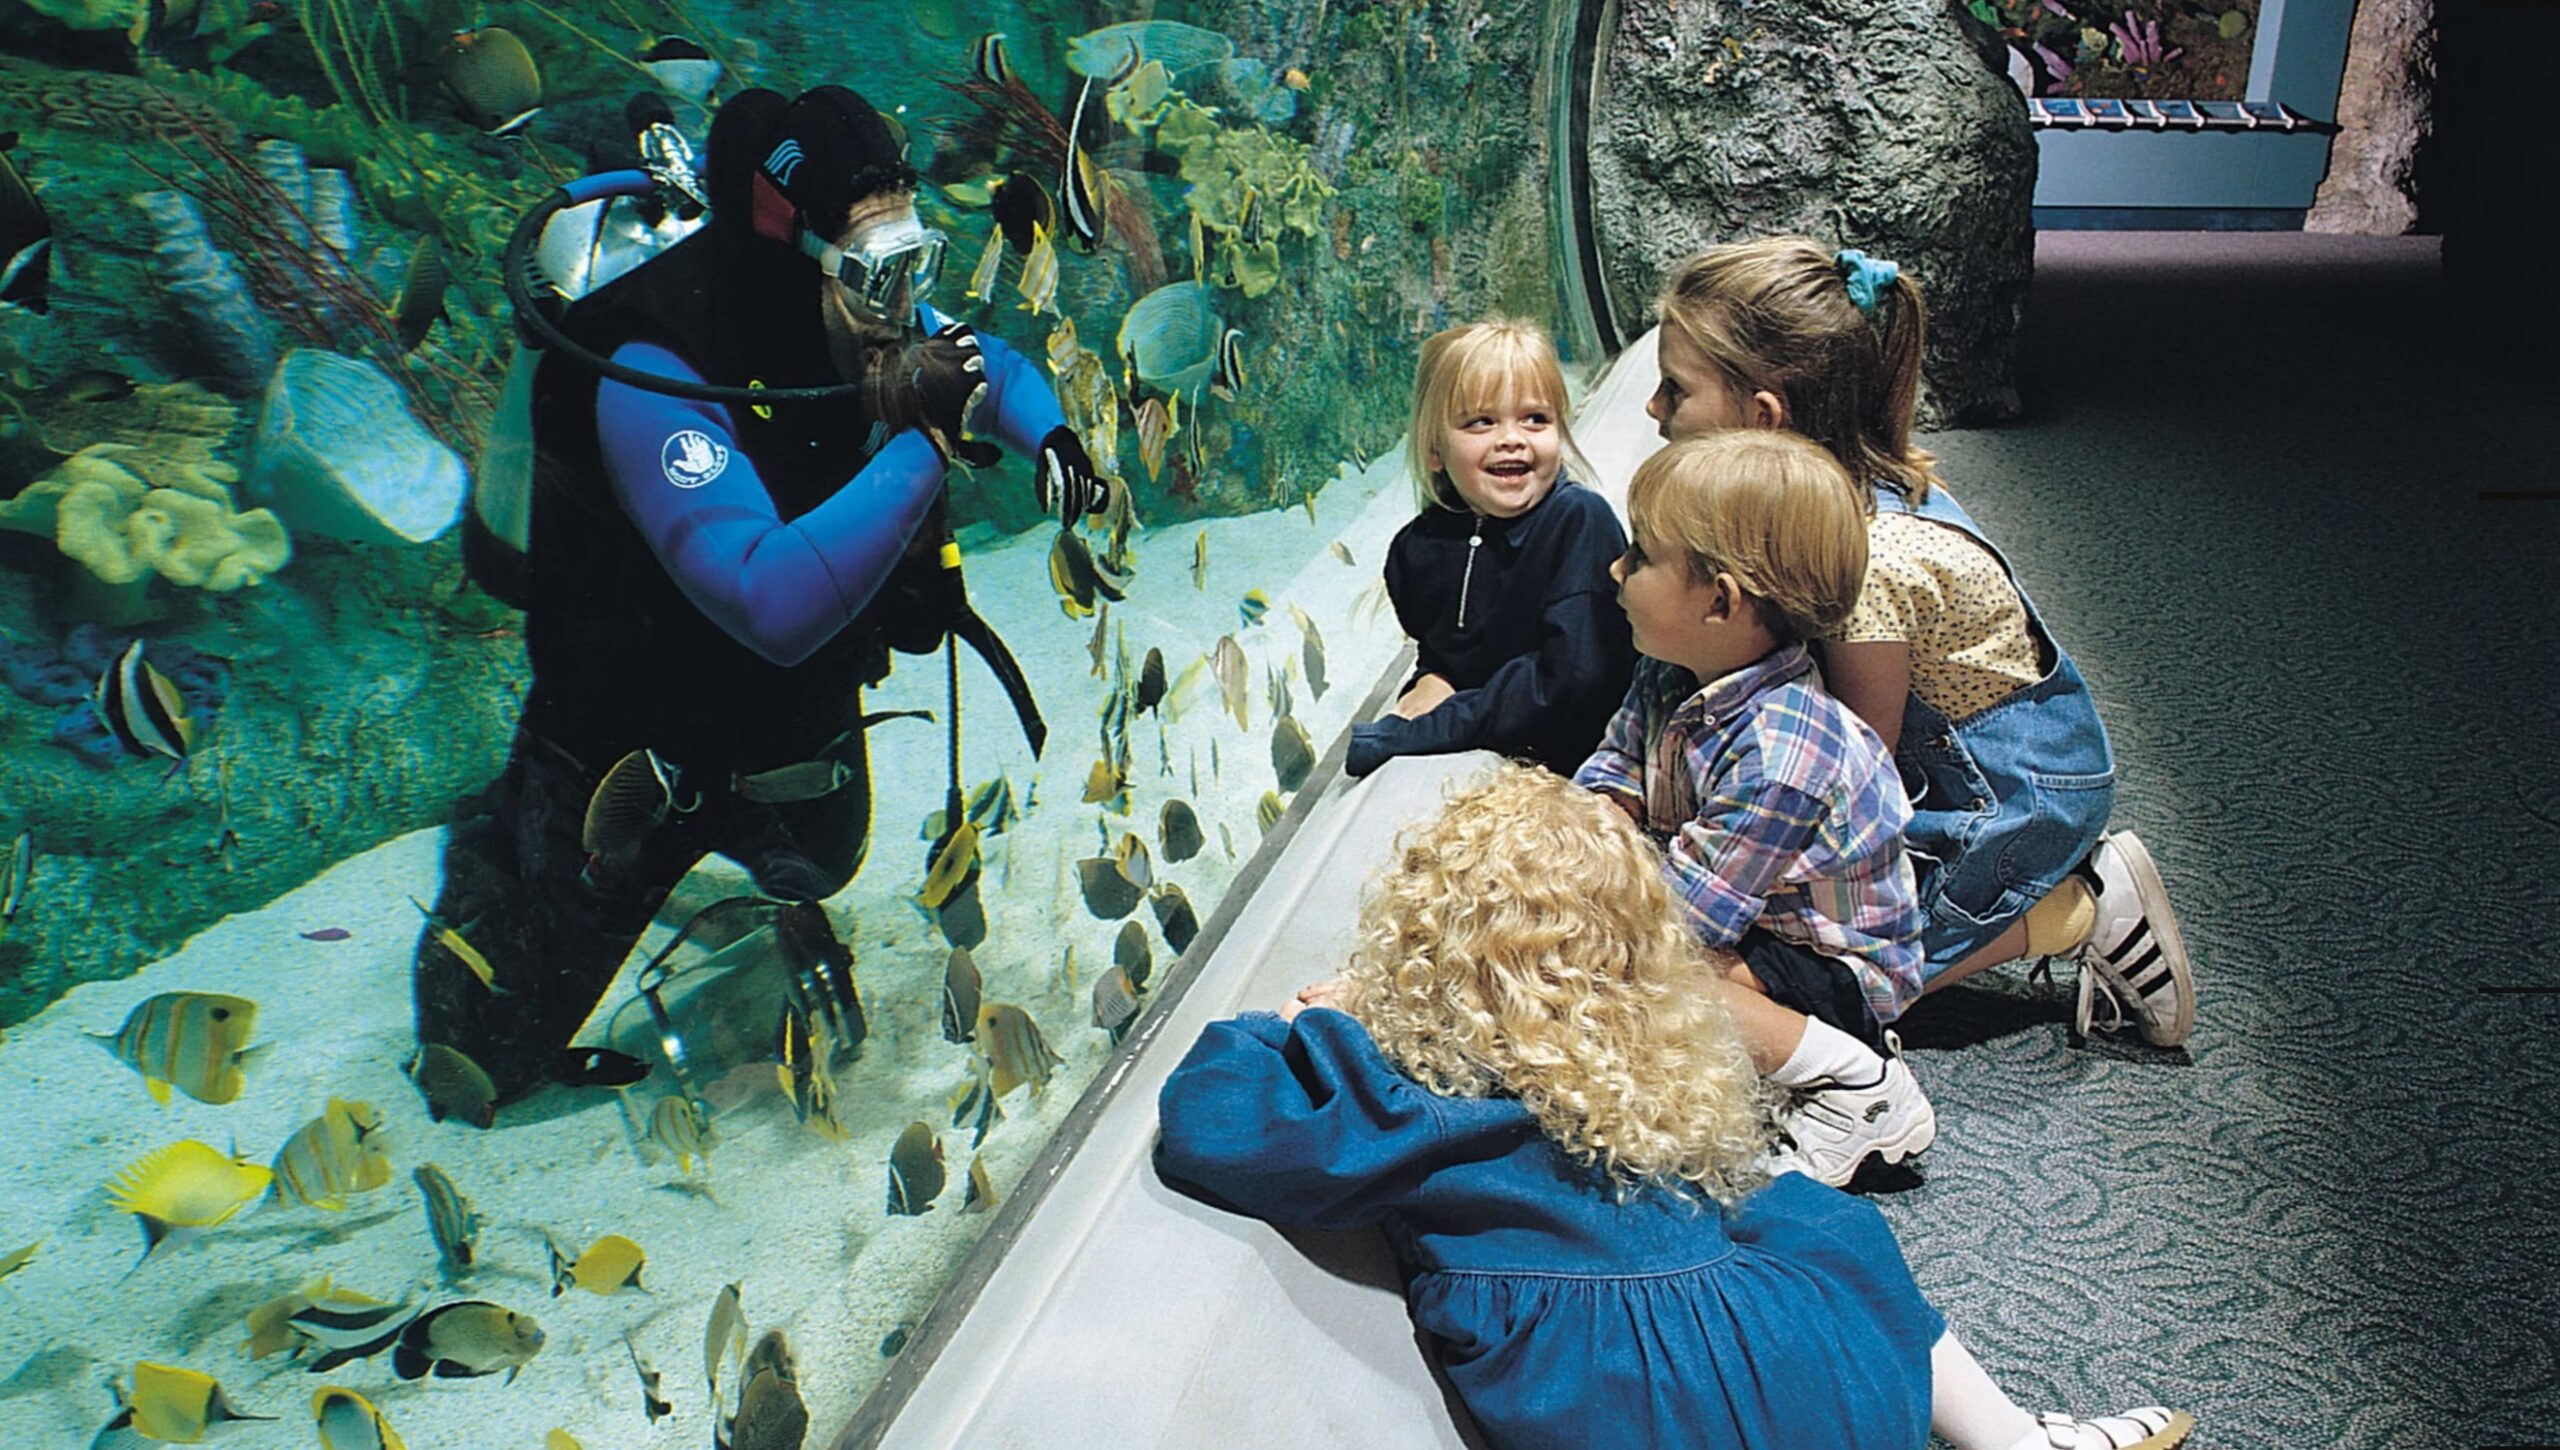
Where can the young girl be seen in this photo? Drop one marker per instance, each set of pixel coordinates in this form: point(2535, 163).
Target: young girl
point(1523, 1076)
point(1502, 580)
point(1998, 740)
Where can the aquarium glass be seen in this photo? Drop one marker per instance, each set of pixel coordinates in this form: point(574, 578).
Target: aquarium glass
point(256, 355)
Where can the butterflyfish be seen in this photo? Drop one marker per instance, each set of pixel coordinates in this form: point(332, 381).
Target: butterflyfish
point(1177, 700)
point(981, 1193)
point(1108, 892)
point(611, 1263)
point(454, 1086)
point(1151, 683)
point(1293, 755)
point(915, 1170)
point(1342, 551)
point(989, 60)
point(490, 72)
point(975, 1106)
point(724, 1336)
point(1105, 782)
point(172, 1403)
point(956, 862)
point(1132, 955)
point(1038, 283)
point(982, 278)
point(1311, 655)
point(333, 1155)
point(18, 1258)
point(634, 796)
point(992, 807)
point(1282, 701)
point(682, 1127)
point(271, 1325)
point(184, 1185)
point(348, 1421)
point(15, 872)
point(347, 1327)
point(1252, 607)
point(1200, 560)
point(1115, 1002)
point(770, 1413)
point(1155, 425)
point(961, 988)
point(800, 1051)
point(1135, 864)
point(1013, 1048)
point(463, 951)
point(466, 1338)
point(450, 1221)
point(652, 1402)
point(1234, 679)
point(26, 239)
point(1178, 830)
point(422, 286)
point(1267, 811)
point(141, 708)
point(195, 1041)
point(1174, 917)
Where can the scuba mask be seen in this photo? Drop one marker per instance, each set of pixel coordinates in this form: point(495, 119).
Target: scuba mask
point(890, 272)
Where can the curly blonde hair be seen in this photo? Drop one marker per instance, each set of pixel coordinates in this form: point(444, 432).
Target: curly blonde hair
point(1524, 943)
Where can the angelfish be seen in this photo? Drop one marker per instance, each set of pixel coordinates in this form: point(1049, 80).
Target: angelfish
point(141, 708)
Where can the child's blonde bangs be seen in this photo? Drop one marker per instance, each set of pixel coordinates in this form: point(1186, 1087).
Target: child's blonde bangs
point(1480, 366)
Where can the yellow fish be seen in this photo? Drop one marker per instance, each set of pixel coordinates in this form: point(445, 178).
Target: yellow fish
point(800, 1062)
point(611, 1262)
point(1039, 281)
point(332, 1157)
point(1014, 1051)
point(981, 1195)
point(18, 1258)
point(463, 951)
point(197, 1041)
point(561, 1440)
point(1064, 348)
point(681, 1126)
point(952, 865)
point(186, 1184)
point(982, 281)
point(1267, 813)
point(1200, 561)
point(170, 1403)
point(1105, 782)
point(1342, 551)
point(348, 1421)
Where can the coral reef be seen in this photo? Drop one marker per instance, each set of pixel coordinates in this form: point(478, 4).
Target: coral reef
point(338, 454)
point(130, 514)
point(231, 336)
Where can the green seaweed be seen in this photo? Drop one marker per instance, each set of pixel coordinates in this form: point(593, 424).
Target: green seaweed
point(1229, 169)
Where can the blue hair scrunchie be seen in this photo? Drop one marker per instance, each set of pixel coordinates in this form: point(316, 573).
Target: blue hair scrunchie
point(1867, 278)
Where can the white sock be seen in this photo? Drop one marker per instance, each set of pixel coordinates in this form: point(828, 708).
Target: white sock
point(1826, 1051)
point(1967, 1410)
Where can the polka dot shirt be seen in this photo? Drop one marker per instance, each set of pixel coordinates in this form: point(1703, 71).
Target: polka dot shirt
point(1932, 587)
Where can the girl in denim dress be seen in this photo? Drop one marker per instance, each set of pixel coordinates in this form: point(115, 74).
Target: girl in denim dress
point(1524, 1077)
point(1996, 734)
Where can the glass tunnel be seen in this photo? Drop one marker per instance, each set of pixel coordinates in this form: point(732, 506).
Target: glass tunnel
point(261, 378)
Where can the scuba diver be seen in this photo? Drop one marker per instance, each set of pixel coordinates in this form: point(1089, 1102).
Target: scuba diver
point(736, 514)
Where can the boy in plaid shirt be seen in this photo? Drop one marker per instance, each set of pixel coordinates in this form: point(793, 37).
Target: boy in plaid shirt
point(1780, 811)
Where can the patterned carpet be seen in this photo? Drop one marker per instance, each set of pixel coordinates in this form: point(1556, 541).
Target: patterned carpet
point(2248, 499)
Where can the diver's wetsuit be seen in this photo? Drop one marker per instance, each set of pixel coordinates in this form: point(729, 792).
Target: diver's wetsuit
point(717, 586)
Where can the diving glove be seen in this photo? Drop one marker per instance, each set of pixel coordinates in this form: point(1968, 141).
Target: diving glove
point(1068, 485)
point(948, 377)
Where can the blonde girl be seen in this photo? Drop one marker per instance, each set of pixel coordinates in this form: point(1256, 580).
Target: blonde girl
point(1502, 578)
point(1523, 1075)
point(1998, 740)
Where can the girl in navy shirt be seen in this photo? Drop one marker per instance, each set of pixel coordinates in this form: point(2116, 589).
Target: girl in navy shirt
point(1502, 580)
point(1523, 1077)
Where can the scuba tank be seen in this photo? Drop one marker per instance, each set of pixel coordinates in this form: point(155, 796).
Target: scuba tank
point(580, 245)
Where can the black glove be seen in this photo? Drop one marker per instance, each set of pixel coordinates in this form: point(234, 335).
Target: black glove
point(1068, 485)
point(948, 377)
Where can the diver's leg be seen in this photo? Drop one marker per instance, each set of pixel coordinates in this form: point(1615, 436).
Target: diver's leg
point(517, 891)
point(807, 850)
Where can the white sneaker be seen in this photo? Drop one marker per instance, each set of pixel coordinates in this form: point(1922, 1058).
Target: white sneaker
point(1830, 1128)
point(2135, 956)
point(2148, 1428)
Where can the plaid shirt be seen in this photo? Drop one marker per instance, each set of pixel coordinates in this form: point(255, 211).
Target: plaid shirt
point(1778, 807)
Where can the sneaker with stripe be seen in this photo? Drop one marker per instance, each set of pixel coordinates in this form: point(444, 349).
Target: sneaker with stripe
point(2135, 958)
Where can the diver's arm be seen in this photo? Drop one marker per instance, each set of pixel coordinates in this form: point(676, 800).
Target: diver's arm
point(781, 589)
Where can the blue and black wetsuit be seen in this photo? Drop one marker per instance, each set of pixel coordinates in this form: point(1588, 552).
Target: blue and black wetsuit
point(714, 584)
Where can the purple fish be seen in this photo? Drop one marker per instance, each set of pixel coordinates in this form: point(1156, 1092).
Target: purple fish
point(328, 933)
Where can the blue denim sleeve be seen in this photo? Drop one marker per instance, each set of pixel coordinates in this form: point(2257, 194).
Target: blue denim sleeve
point(1301, 1124)
point(781, 589)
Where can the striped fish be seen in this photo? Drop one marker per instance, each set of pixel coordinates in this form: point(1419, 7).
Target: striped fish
point(916, 1174)
point(450, 1221)
point(800, 1062)
point(1115, 1002)
point(347, 1332)
point(982, 279)
point(348, 1421)
point(1229, 376)
point(1039, 281)
point(331, 1157)
point(195, 1041)
point(682, 1127)
point(992, 64)
point(141, 708)
point(1081, 187)
point(1013, 1049)
point(1155, 425)
point(961, 988)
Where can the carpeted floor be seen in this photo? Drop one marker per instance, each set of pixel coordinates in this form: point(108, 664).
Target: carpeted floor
point(2249, 499)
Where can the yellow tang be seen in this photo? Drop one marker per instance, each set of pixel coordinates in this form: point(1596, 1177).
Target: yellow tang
point(195, 1040)
point(171, 1403)
point(332, 1156)
point(186, 1184)
point(348, 1421)
point(611, 1262)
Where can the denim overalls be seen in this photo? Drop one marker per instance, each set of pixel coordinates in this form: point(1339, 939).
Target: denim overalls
point(2005, 802)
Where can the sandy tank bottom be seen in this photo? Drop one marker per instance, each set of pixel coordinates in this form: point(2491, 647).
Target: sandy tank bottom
point(798, 1221)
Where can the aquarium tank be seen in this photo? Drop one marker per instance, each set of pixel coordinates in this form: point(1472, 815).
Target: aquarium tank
point(264, 392)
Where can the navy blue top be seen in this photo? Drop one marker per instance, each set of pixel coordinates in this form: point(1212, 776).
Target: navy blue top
point(1566, 1312)
point(1531, 637)
point(783, 587)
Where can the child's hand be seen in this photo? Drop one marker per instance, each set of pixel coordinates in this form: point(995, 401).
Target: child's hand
point(1314, 994)
point(1424, 697)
